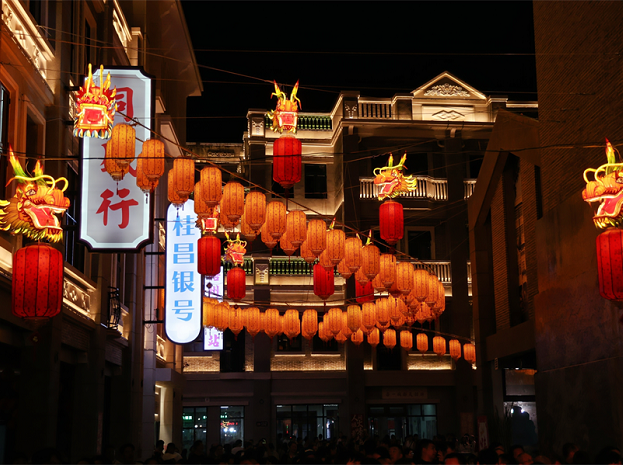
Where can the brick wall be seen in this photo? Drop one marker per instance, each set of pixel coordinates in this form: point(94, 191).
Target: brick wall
point(528, 193)
point(498, 246)
point(579, 72)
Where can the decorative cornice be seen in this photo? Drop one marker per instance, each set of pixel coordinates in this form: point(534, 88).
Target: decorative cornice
point(446, 90)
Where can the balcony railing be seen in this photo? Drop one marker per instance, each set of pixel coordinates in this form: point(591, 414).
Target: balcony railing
point(427, 188)
point(375, 110)
point(309, 122)
point(289, 266)
point(247, 266)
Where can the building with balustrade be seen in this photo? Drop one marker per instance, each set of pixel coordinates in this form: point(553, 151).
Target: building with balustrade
point(270, 388)
point(94, 376)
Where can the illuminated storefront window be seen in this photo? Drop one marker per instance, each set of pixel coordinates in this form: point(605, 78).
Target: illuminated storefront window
point(403, 420)
point(194, 426)
point(232, 424)
point(313, 420)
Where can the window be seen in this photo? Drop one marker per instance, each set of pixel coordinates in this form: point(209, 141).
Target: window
point(388, 359)
point(75, 251)
point(403, 420)
point(420, 244)
point(194, 425)
point(315, 181)
point(284, 344)
point(312, 420)
point(232, 424)
point(4, 132)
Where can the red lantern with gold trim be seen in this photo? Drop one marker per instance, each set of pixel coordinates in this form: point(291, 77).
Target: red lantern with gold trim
point(37, 287)
point(236, 283)
point(324, 285)
point(391, 222)
point(287, 163)
point(209, 256)
point(610, 264)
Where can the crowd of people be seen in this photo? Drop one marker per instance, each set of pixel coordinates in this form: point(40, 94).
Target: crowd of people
point(316, 450)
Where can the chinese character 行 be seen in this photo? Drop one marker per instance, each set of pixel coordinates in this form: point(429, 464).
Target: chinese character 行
point(123, 205)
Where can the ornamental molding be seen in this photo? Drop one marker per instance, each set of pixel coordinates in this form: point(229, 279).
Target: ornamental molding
point(76, 297)
point(446, 90)
point(446, 115)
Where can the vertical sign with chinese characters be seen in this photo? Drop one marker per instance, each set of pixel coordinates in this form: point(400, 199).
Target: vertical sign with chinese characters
point(212, 337)
point(116, 216)
point(183, 289)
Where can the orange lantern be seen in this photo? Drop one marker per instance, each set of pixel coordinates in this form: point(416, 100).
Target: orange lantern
point(276, 219)
point(439, 345)
point(377, 283)
point(212, 185)
point(341, 338)
point(334, 321)
point(122, 145)
point(272, 322)
point(389, 338)
point(317, 236)
point(354, 318)
point(296, 227)
point(112, 168)
point(184, 179)
point(374, 337)
point(335, 245)
point(247, 232)
point(323, 333)
point(253, 321)
point(151, 161)
point(383, 327)
point(255, 210)
point(368, 315)
point(209, 311)
point(352, 253)
point(383, 307)
point(394, 292)
point(395, 313)
point(420, 284)
point(291, 324)
point(404, 277)
point(267, 238)
point(232, 203)
point(224, 221)
point(469, 353)
point(286, 245)
point(346, 331)
point(370, 260)
point(433, 290)
point(406, 340)
point(306, 253)
point(221, 316)
point(173, 196)
point(343, 270)
point(142, 182)
point(387, 270)
point(422, 342)
point(361, 278)
point(357, 337)
point(235, 320)
point(455, 349)
point(201, 208)
point(325, 261)
point(440, 305)
point(309, 326)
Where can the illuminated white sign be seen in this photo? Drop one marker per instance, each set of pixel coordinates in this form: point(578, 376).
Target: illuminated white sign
point(115, 216)
point(212, 337)
point(183, 296)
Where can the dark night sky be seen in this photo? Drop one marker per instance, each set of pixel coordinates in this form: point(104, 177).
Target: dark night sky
point(377, 48)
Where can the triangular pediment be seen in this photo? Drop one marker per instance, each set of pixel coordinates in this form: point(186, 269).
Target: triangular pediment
point(447, 86)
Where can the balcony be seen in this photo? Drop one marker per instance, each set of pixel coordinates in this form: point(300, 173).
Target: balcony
point(427, 188)
point(309, 122)
point(27, 35)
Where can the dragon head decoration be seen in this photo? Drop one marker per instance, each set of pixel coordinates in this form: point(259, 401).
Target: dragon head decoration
point(33, 209)
point(234, 253)
point(96, 107)
point(607, 189)
point(392, 180)
point(285, 115)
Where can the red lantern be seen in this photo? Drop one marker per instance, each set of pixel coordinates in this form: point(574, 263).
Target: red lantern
point(610, 264)
point(324, 285)
point(365, 293)
point(391, 221)
point(209, 256)
point(236, 283)
point(37, 282)
point(287, 161)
